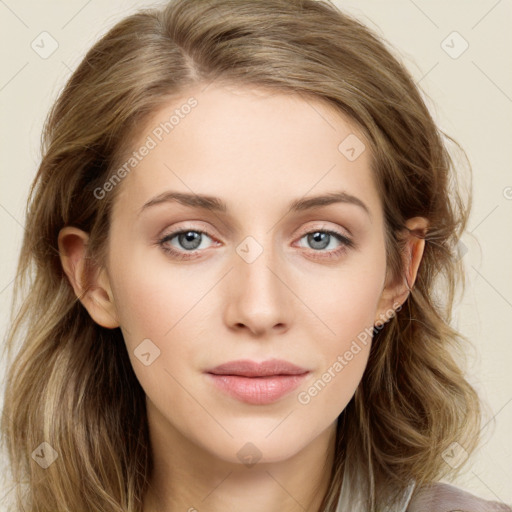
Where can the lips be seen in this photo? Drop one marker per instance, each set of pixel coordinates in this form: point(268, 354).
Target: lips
point(247, 368)
point(257, 383)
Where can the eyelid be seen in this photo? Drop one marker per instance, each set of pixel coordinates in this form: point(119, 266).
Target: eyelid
point(325, 227)
point(191, 225)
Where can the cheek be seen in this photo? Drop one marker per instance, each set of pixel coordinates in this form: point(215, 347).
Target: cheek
point(349, 314)
point(157, 319)
point(151, 299)
point(343, 338)
point(169, 305)
point(345, 300)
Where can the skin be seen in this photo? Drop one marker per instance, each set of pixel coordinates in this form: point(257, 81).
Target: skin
point(257, 151)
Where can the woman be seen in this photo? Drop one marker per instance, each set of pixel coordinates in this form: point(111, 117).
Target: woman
point(238, 227)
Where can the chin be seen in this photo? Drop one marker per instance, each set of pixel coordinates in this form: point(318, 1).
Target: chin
point(252, 446)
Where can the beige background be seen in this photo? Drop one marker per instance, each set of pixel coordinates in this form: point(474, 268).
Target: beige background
point(470, 97)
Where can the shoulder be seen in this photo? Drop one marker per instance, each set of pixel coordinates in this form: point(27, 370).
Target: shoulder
point(441, 497)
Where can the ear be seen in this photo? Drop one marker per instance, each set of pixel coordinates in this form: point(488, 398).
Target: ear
point(94, 291)
point(394, 295)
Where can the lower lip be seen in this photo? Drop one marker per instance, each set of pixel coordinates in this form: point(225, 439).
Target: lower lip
point(258, 390)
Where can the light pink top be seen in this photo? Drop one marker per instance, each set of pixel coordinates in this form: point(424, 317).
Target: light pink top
point(441, 497)
point(437, 497)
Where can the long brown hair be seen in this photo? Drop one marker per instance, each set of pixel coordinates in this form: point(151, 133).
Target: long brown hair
point(70, 382)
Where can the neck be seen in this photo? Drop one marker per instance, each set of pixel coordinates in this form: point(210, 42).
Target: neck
point(186, 477)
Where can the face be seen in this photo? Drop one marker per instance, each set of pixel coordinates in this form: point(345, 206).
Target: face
point(265, 275)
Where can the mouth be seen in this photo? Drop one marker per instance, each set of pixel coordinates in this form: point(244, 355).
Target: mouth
point(247, 368)
point(257, 383)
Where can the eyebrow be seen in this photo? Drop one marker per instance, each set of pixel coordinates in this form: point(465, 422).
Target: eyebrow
point(216, 204)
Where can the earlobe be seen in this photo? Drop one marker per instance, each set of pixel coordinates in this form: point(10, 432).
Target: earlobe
point(393, 296)
point(93, 291)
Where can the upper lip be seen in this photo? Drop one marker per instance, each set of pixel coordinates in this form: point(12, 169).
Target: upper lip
point(248, 368)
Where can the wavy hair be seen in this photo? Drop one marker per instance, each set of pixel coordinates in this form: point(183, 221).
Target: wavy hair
point(70, 382)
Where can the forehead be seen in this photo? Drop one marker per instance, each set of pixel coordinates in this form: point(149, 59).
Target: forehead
point(248, 146)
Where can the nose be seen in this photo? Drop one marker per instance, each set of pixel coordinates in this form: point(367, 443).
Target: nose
point(257, 297)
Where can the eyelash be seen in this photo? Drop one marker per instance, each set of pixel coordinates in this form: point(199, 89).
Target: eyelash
point(347, 243)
